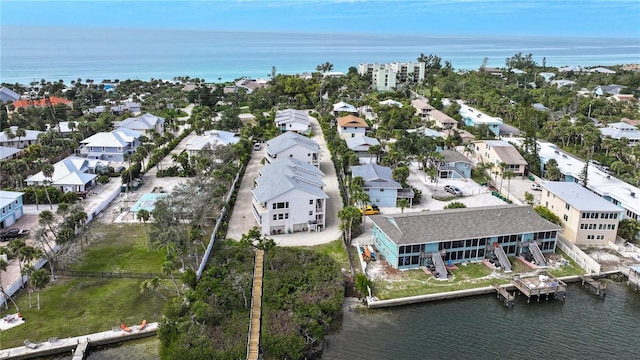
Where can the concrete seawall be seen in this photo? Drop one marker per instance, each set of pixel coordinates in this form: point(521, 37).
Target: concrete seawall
point(458, 294)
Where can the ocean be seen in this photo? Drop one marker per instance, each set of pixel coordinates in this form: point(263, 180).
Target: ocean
point(53, 53)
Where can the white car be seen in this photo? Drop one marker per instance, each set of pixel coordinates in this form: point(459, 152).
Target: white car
point(536, 187)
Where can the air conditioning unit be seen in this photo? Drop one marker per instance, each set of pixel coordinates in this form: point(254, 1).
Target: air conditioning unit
point(633, 194)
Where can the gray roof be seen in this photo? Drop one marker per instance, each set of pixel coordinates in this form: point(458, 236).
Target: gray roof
point(421, 105)
point(461, 224)
point(507, 152)
point(212, 138)
point(579, 197)
point(621, 130)
point(361, 143)
point(451, 156)
point(119, 137)
point(279, 185)
point(143, 122)
point(291, 115)
point(7, 94)
point(295, 169)
point(375, 176)
point(6, 151)
point(290, 139)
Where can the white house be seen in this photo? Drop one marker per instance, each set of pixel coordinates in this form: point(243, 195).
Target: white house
point(19, 142)
point(343, 107)
point(112, 146)
point(475, 117)
point(351, 126)
point(212, 138)
point(145, 124)
point(390, 102)
point(293, 120)
point(622, 130)
point(288, 198)
point(70, 174)
point(293, 145)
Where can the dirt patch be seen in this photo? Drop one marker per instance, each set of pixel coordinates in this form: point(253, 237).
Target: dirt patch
point(381, 270)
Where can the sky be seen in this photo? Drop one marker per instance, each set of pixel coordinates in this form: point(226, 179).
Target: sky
point(555, 18)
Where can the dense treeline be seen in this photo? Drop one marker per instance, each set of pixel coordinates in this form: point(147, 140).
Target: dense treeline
point(303, 292)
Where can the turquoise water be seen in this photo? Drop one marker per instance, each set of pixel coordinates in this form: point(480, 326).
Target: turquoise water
point(582, 327)
point(29, 53)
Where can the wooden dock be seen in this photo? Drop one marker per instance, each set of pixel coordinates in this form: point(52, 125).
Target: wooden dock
point(540, 285)
point(78, 345)
point(600, 288)
point(508, 298)
point(253, 343)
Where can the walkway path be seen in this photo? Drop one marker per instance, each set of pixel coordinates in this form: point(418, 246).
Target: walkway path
point(253, 343)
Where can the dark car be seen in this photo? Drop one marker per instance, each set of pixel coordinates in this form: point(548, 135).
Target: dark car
point(9, 234)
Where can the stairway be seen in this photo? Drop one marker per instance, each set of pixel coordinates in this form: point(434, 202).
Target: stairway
point(439, 264)
point(253, 343)
point(502, 258)
point(534, 249)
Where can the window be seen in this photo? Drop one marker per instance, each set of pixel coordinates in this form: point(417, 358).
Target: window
point(281, 205)
point(310, 202)
point(565, 217)
point(566, 206)
point(310, 212)
point(584, 215)
point(275, 216)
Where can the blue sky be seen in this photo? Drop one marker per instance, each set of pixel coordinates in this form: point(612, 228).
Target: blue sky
point(581, 18)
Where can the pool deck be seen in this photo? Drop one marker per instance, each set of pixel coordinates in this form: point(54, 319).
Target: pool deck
point(79, 344)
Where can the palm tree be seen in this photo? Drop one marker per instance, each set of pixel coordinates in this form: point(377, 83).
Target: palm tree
point(503, 167)
point(509, 175)
point(144, 216)
point(47, 171)
point(28, 271)
point(3, 268)
point(38, 280)
point(15, 247)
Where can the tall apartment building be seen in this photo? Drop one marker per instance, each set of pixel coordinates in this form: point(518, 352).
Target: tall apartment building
point(386, 77)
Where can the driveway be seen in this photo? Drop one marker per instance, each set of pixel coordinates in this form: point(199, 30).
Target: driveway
point(242, 218)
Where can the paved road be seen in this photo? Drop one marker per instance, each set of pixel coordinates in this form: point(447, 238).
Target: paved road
point(242, 218)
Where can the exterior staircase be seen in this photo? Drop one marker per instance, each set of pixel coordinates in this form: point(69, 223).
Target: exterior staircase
point(439, 264)
point(253, 343)
point(502, 258)
point(534, 249)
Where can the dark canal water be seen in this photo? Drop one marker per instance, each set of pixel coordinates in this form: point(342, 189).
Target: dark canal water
point(583, 327)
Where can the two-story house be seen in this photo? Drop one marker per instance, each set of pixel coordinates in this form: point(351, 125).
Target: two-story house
point(115, 146)
point(146, 124)
point(293, 145)
point(360, 145)
point(293, 120)
point(429, 113)
point(620, 130)
point(587, 219)
point(454, 165)
point(343, 107)
point(499, 151)
point(379, 184)
point(73, 174)
point(211, 138)
point(351, 126)
point(474, 117)
point(289, 197)
point(412, 240)
point(11, 208)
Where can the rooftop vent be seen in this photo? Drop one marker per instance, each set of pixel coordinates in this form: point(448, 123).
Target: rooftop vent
point(633, 194)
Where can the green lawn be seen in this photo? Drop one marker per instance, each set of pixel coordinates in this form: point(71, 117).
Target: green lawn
point(77, 306)
point(335, 250)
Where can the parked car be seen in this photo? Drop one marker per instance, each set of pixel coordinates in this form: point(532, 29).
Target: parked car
point(453, 190)
point(370, 210)
point(7, 234)
point(536, 187)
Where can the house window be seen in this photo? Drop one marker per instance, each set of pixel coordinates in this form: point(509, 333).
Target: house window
point(566, 206)
point(310, 202)
point(281, 205)
point(381, 190)
point(565, 217)
point(310, 212)
point(275, 216)
point(103, 149)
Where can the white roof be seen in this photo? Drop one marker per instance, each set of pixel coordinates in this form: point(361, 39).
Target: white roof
point(30, 135)
point(213, 138)
point(7, 197)
point(69, 171)
point(478, 116)
point(143, 122)
point(288, 140)
point(390, 102)
point(6, 151)
point(361, 143)
point(621, 130)
point(290, 115)
point(119, 137)
point(577, 196)
point(343, 106)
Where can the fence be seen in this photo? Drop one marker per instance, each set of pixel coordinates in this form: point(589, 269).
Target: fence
point(15, 286)
point(101, 206)
point(582, 259)
point(207, 253)
point(108, 275)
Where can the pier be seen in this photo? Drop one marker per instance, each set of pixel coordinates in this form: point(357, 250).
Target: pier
point(77, 346)
point(540, 285)
point(600, 288)
point(508, 298)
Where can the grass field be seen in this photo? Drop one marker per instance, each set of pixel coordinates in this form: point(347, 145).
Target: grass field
point(77, 306)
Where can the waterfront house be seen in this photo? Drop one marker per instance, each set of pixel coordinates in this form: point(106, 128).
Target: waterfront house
point(474, 117)
point(11, 207)
point(610, 188)
point(211, 138)
point(360, 145)
point(379, 184)
point(454, 165)
point(293, 120)
point(587, 219)
point(351, 126)
point(19, 142)
point(295, 146)
point(412, 240)
point(115, 146)
point(499, 151)
point(146, 124)
point(622, 130)
point(73, 174)
point(289, 197)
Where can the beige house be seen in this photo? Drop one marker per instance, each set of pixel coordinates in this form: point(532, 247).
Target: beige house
point(499, 151)
point(429, 113)
point(587, 219)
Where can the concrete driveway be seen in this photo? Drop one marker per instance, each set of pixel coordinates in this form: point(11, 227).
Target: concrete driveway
point(242, 218)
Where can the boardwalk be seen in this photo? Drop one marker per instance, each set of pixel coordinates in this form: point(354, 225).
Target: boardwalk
point(253, 346)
